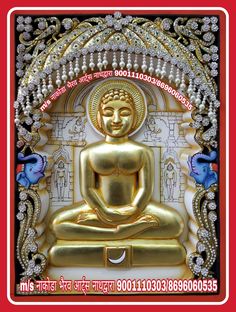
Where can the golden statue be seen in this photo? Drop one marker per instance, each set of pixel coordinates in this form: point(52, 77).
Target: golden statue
point(117, 223)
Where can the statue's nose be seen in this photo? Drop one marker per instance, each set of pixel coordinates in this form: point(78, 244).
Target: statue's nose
point(116, 117)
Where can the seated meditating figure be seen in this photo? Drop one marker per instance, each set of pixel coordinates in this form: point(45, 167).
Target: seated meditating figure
point(117, 223)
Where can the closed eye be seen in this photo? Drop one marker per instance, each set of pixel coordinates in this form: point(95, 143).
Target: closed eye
point(125, 112)
point(108, 112)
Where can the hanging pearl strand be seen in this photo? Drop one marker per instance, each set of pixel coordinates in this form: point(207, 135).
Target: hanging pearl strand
point(122, 60)
point(17, 119)
point(151, 66)
point(193, 96)
point(105, 62)
point(177, 77)
point(158, 68)
point(163, 70)
point(182, 85)
point(64, 75)
point(44, 88)
point(24, 109)
point(202, 105)
point(190, 88)
point(20, 105)
point(211, 114)
point(50, 85)
point(144, 64)
point(58, 78)
point(114, 61)
point(39, 94)
point(71, 72)
point(198, 98)
point(35, 102)
point(84, 65)
point(76, 68)
point(129, 62)
point(99, 63)
point(171, 74)
point(214, 119)
point(28, 106)
point(91, 61)
point(136, 65)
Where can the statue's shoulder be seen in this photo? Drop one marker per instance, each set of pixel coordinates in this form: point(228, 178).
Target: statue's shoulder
point(92, 147)
point(141, 146)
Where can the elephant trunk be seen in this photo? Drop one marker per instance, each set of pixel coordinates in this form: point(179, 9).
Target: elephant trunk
point(204, 158)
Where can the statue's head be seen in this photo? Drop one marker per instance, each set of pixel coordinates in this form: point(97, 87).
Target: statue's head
point(116, 107)
point(116, 114)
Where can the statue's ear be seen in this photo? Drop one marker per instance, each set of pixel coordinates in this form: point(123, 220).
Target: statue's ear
point(99, 120)
point(135, 120)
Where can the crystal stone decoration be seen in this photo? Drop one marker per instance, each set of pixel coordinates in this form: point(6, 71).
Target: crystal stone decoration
point(200, 247)
point(212, 205)
point(203, 233)
point(199, 261)
point(210, 195)
point(212, 216)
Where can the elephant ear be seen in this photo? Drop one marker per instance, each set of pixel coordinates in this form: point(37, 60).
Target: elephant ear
point(212, 178)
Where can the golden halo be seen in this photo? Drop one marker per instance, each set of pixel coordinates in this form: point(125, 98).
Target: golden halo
point(100, 89)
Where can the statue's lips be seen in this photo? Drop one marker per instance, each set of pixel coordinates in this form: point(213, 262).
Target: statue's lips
point(116, 127)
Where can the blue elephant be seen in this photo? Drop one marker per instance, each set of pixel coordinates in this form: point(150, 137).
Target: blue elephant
point(34, 166)
point(201, 171)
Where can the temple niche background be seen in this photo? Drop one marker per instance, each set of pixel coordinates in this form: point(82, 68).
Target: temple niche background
point(71, 131)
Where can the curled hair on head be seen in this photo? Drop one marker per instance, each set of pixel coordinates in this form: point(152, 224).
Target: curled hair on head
point(117, 94)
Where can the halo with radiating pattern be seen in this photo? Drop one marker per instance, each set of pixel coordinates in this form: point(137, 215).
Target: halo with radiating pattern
point(98, 91)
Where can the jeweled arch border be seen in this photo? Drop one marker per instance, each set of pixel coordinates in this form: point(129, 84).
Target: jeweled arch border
point(9, 150)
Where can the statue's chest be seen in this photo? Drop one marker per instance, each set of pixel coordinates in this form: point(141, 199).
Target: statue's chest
point(116, 162)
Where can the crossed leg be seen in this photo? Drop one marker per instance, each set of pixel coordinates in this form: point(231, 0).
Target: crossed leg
point(79, 222)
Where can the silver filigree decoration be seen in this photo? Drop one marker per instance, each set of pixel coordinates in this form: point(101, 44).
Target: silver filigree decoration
point(204, 206)
point(32, 262)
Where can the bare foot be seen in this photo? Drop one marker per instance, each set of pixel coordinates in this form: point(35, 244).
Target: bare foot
point(143, 223)
point(85, 217)
point(150, 219)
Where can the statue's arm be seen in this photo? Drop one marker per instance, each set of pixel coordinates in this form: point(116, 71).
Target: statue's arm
point(88, 183)
point(145, 181)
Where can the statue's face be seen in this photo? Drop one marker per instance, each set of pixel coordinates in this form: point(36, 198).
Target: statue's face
point(117, 118)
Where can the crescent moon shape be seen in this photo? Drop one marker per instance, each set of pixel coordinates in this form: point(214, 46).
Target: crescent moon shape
point(120, 259)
